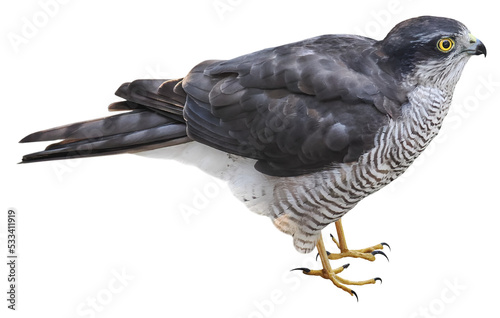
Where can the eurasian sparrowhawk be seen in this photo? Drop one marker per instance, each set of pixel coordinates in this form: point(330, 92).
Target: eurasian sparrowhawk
point(301, 132)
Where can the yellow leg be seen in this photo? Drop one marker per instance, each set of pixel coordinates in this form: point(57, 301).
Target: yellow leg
point(342, 244)
point(365, 253)
point(328, 273)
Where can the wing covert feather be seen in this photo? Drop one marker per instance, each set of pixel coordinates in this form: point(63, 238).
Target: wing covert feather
point(296, 108)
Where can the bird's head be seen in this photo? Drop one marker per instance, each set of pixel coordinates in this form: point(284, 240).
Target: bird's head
point(429, 50)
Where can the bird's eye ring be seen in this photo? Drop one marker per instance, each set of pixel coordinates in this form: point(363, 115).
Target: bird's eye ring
point(445, 45)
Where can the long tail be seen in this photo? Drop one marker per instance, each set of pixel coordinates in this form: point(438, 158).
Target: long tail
point(154, 120)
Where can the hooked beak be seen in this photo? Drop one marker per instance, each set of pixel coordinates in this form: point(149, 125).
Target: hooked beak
point(477, 47)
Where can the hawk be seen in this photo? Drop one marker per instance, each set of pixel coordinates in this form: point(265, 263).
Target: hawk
point(301, 132)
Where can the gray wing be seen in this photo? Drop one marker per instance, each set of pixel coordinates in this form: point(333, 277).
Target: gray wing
point(297, 108)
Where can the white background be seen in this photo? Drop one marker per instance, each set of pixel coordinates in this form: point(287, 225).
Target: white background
point(186, 247)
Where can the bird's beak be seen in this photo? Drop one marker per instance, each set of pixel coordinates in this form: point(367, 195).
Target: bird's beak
point(477, 47)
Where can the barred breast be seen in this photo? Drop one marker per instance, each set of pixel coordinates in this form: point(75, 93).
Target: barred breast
point(302, 206)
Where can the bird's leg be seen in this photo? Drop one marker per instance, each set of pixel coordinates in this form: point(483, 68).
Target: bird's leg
point(365, 253)
point(328, 273)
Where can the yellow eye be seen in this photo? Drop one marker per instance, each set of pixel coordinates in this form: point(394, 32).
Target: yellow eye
point(445, 45)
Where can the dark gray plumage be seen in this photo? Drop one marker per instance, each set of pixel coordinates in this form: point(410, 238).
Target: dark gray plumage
point(326, 121)
point(296, 108)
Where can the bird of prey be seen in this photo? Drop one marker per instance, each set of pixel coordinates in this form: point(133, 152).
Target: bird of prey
point(301, 132)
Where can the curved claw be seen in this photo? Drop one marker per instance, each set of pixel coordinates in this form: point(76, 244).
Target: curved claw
point(354, 293)
point(327, 253)
point(380, 252)
point(385, 244)
point(304, 269)
point(378, 278)
point(346, 265)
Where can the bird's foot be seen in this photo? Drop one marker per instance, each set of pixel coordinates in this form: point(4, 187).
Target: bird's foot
point(331, 274)
point(365, 253)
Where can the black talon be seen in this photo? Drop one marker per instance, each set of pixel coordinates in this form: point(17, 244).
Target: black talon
point(304, 269)
point(354, 293)
point(346, 265)
point(378, 278)
point(380, 252)
point(385, 244)
point(327, 253)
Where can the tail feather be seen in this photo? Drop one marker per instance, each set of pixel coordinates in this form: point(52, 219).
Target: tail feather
point(161, 136)
point(117, 124)
point(146, 92)
point(173, 89)
point(124, 105)
point(154, 119)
